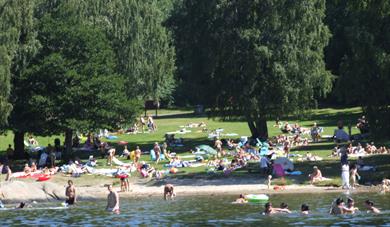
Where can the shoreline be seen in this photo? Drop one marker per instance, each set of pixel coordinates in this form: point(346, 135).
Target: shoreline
point(17, 191)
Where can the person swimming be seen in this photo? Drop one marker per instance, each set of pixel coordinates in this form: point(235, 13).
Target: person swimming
point(370, 206)
point(305, 209)
point(338, 207)
point(241, 199)
point(351, 206)
point(268, 209)
point(284, 206)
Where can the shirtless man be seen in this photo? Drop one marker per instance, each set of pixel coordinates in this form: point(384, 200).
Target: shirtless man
point(112, 200)
point(169, 192)
point(370, 206)
point(70, 193)
point(137, 155)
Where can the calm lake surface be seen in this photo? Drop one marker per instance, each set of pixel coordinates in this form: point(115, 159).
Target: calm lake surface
point(201, 211)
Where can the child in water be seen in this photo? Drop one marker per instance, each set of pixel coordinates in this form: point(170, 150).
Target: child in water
point(305, 209)
point(241, 199)
point(371, 208)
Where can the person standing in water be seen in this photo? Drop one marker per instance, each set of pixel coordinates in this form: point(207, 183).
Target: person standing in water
point(169, 192)
point(351, 206)
point(112, 200)
point(70, 193)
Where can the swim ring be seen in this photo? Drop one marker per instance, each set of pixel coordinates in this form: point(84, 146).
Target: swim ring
point(257, 198)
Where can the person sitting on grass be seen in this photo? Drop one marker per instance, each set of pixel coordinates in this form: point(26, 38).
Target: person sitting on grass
point(316, 175)
point(385, 185)
point(339, 133)
point(26, 170)
point(125, 153)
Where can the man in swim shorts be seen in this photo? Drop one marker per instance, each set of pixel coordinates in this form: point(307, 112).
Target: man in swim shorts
point(70, 193)
point(169, 191)
point(112, 200)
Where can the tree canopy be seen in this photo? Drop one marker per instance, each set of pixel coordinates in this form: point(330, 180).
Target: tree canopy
point(267, 57)
point(360, 51)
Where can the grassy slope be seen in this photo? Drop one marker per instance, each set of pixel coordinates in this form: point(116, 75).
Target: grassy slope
point(170, 120)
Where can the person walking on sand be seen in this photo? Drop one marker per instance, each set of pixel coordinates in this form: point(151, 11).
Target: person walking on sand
point(344, 168)
point(112, 200)
point(70, 193)
point(354, 176)
point(169, 192)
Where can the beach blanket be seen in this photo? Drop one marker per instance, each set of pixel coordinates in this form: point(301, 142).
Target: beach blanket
point(119, 163)
point(35, 174)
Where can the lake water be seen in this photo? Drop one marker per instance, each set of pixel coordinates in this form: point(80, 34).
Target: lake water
point(201, 211)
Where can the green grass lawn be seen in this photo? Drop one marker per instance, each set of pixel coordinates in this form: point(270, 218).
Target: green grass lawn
point(170, 120)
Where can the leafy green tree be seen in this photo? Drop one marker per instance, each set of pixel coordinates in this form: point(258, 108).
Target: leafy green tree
point(141, 43)
point(192, 24)
point(267, 61)
point(362, 62)
point(72, 84)
point(17, 45)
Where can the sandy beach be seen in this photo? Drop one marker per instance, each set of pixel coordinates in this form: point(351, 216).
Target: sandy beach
point(16, 190)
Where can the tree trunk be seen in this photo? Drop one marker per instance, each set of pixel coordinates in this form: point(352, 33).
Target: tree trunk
point(19, 145)
point(259, 128)
point(68, 144)
point(253, 129)
point(262, 129)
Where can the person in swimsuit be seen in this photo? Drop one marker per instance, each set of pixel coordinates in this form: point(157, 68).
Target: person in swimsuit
point(338, 207)
point(70, 193)
point(169, 192)
point(371, 208)
point(268, 209)
point(112, 200)
point(305, 209)
point(241, 199)
point(351, 206)
point(157, 151)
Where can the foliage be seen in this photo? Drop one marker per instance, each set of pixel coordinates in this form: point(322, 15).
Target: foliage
point(17, 45)
point(267, 56)
point(72, 82)
point(141, 43)
point(363, 62)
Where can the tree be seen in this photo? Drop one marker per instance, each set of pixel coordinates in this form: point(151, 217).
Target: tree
point(268, 60)
point(17, 44)
point(192, 23)
point(364, 64)
point(72, 84)
point(141, 43)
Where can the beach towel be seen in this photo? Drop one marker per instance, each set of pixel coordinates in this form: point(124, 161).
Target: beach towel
point(119, 163)
point(278, 170)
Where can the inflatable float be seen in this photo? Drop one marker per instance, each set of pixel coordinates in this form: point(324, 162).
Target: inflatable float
point(259, 198)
